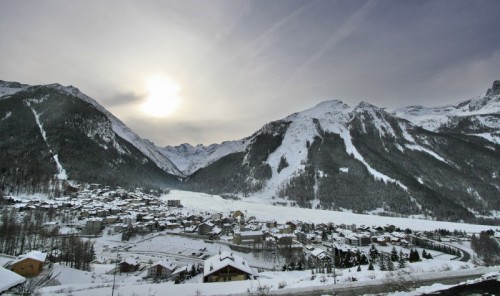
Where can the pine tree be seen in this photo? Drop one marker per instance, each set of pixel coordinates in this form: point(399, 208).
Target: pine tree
point(390, 265)
point(424, 254)
point(373, 253)
point(381, 263)
point(394, 254)
point(417, 256)
point(359, 268)
point(370, 267)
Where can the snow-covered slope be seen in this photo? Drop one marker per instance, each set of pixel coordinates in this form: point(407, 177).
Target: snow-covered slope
point(10, 88)
point(365, 157)
point(145, 146)
point(189, 158)
point(479, 116)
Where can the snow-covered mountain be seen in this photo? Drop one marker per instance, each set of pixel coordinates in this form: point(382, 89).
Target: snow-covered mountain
point(364, 158)
point(443, 161)
point(52, 130)
point(189, 158)
point(479, 116)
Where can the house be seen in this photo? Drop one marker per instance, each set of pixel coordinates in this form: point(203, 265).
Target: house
point(320, 255)
point(205, 228)
point(9, 279)
point(226, 267)
point(129, 265)
point(30, 264)
point(162, 270)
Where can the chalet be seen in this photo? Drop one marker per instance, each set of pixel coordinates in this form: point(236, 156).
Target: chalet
point(129, 265)
point(30, 264)
point(181, 273)
point(162, 270)
point(9, 280)
point(320, 255)
point(226, 267)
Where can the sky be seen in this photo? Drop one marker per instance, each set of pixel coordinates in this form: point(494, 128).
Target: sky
point(210, 71)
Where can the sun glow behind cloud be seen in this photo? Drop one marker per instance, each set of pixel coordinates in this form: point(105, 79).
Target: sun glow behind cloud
point(163, 97)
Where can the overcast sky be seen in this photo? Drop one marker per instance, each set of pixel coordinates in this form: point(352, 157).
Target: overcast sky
point(236, 65)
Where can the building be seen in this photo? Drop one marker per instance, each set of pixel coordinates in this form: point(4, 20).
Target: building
point(226, 267)
point(9, 280)
point(93, 226)
point(129, 265)
point(205, 228)
point(162, 270)
point(174, 203)
point(30, 264)
point(247, 237)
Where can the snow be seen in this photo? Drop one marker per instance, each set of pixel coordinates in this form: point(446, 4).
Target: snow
point(344, 170)
point(61, 172)
point(267, 212)
point(435, 117)
point(9, 279)
point(190, 158)
point(428, 151)
point(7, 115)
point(35, 255)
point(8, 89)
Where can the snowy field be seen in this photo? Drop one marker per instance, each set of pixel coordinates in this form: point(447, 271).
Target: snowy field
point(262, 210)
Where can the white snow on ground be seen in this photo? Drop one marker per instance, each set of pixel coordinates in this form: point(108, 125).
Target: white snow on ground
point(490, 137)
point(265, 211)
point(428, 151)
point(6, 91)
point(7, 115)
point(61, 172)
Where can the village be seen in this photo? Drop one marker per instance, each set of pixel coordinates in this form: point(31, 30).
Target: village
point(151, 237)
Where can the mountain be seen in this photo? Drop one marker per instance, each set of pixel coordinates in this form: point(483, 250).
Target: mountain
point(442, 162)
point(52, 132)
point(189, 158)
point(479, 116)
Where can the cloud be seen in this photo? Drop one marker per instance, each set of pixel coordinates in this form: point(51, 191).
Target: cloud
point(120, 99)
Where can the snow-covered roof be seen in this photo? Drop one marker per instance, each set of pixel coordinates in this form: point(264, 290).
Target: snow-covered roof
point(250, 233)
point(35, 255)
point(130, 261)
point(166, 264)
point(9, 279)
point(316, 252)
point(224, 259)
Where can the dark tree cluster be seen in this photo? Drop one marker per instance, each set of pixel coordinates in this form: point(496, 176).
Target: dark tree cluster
point(486, 248)
point(20, 234)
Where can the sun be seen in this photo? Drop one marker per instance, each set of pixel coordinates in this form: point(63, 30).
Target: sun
point(163, 97)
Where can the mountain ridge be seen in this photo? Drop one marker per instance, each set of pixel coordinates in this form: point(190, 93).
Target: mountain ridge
point(411, 160)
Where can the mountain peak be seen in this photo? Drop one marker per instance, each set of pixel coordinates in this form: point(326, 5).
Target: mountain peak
point(366, 106)
point(494, 90)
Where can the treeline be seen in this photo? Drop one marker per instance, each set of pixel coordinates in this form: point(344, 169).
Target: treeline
point(486, 248)
point(24, 232)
